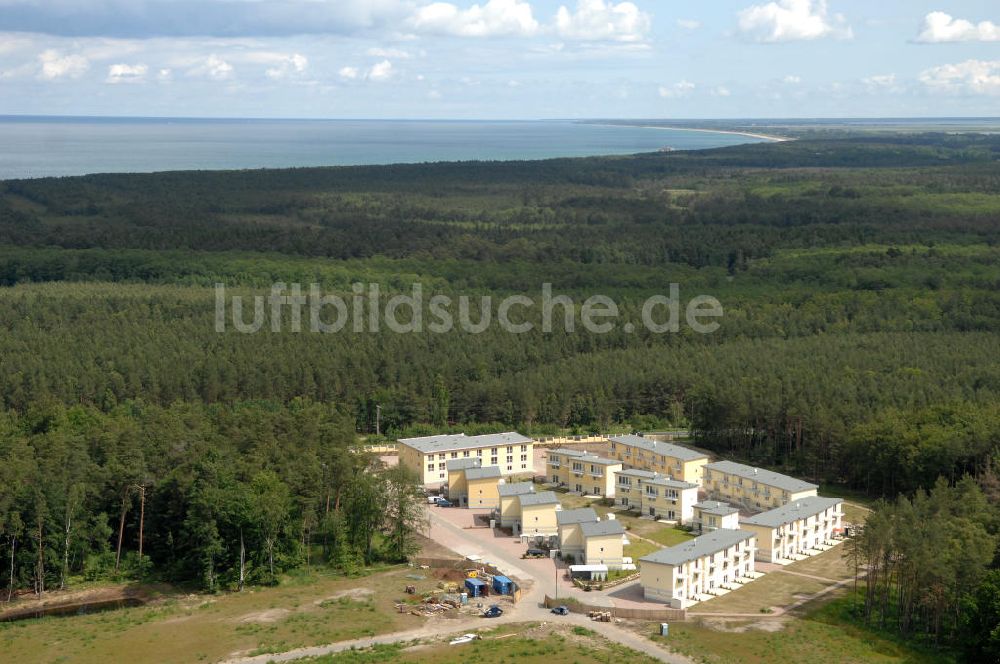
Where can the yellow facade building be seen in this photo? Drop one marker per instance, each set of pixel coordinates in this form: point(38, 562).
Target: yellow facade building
point(582, 472)
point(699, 569)
point(428, 456)
point(510, 503)
point(755, 488)
point(797, 530)
point(675, 461)
point(603, 543)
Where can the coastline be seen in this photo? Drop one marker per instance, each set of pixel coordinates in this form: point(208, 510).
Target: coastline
point(735, 132)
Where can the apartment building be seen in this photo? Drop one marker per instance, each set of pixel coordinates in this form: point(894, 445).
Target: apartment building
point(482, 488)
point(582, 471)
point(428, 456)
point(628, 487)
point(603, 543)
point(669, 499)
point(510, 504)
point(712, 515)
point(675, 461)
point(756, 488)
point(699, 569)
point(570, 536)
point(801, 528)
point(457, 487)
point(538, 515)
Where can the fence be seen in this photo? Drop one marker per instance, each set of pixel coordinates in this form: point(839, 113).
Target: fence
point(664, 614)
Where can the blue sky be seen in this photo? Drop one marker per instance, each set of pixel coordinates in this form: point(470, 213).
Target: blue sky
point(500, 58)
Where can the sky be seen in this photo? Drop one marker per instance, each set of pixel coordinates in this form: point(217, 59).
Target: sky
point(500, 59)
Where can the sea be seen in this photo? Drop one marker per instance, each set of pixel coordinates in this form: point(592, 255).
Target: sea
point(32, 147)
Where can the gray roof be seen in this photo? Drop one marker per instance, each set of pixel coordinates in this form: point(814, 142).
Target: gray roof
point(581, 515)
point(543, 498)
point(768, 477)
point(464, 463)
point(459, 441)
point(663, 480)
point(606, 527)
point(713, 542)
point(566, 451)
point(517, 489)
point(716, 508)
point(635, 472)
point(486, 472)
point(665, 449)
point(586, 457)
point(798, 509)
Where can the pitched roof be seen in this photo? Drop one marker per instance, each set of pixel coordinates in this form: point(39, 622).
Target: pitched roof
point(761, 475)
point(793, 511)
point(663, 480)
point(484, 473)
point(636, 472)
point(717, 508)
point(459, 441)
point(606, 527)
point(584, 457)
point(464, 463)
point(656, 447)
point(543, 498)
point(517, 489)
point(581, 515)
point(713, 542)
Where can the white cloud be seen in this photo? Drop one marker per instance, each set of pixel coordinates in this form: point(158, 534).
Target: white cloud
point(688, 24)
point(979, 77)
point(597, 20)
point(389, 53)
point(880, 81)
point(380, 71)
point(791, 79)
point(349, 73)
point(941, 27)
point(212, 67)
point(677, 90)
point(495, 18)
point(55, 65)
point(124, 73)
point(792, 20)
point(287, 66)
point(721, 91)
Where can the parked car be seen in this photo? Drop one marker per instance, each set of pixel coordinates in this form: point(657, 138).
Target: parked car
point(444, 502)
point(493, 612)
point(432, 500)
point(561, 610)
point(536, 553)
point(465, 638)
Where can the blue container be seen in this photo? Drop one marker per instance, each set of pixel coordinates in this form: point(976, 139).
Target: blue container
point(476, 587)
point(503, 585)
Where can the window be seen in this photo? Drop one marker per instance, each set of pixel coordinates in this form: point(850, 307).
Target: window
point(524, 457)
point(510, 449)
point(430, 467)
point(524, 448)
point(454, 455)
point(510, 459)
point(465, 453)
point(493, 461)
point(524, 465)
point(442, 466)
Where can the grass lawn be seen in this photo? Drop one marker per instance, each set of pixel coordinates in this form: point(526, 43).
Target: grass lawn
point(830, 565)
point(639, 548)
point(669, 535)
point(854, 513)
point(824, 636)
point(306, 609)
point(548, 644)
point(774, 590)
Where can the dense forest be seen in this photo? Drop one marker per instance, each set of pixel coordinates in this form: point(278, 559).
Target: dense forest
point(860, 279)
